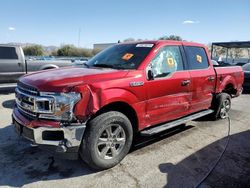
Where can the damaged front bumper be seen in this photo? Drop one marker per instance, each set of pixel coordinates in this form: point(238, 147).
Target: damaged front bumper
point(63, 140)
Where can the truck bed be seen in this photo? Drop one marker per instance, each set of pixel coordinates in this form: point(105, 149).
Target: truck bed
point(232, 75)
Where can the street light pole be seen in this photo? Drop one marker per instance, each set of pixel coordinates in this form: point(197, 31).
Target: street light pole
point(79, 37)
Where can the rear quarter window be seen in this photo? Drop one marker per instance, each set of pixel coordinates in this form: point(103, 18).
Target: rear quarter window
point(8, 53)
point(197, 57)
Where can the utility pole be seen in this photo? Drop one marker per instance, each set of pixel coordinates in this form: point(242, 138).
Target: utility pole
point(79, 37)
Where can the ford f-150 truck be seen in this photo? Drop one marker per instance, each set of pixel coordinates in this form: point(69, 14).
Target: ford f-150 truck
point(146, 87)
point(13, 63)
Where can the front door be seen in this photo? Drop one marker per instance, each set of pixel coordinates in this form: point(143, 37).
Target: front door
point(169, 92)
point(11, 67)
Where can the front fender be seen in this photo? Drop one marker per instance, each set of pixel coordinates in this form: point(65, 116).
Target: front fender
point(93, 100)
point(118, 95)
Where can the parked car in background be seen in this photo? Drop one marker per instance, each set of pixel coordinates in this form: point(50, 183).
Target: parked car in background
point(79, 61)
point(229, 57)
point(13, 63)
point(246, 69)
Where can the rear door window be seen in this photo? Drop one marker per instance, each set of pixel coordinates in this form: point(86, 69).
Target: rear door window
point(8, 53)
point(197, 57)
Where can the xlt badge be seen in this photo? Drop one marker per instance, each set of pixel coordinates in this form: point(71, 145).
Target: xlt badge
point(135, 84)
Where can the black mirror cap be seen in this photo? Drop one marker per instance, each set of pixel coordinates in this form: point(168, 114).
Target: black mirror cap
point(150, 75)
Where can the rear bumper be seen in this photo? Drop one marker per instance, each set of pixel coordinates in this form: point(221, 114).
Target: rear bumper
point(63, 139)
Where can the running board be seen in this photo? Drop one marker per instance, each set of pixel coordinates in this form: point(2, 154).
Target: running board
point(160, 128)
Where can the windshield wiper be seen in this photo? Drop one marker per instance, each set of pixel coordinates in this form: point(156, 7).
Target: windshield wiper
point(86, 65)
point(103, 65)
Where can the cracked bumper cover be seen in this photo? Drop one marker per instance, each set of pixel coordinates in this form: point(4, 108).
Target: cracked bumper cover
point(49, 133)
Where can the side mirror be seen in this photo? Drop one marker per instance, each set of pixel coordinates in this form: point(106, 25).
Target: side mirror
point(150, 75)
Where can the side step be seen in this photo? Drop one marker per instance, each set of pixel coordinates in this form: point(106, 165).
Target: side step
point(160, 128)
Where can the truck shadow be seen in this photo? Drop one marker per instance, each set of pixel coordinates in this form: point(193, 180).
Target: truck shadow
point(22, 164)
point(234, 163)
point(9, 103)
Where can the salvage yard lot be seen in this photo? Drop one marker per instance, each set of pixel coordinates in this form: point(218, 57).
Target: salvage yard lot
point(180, 157)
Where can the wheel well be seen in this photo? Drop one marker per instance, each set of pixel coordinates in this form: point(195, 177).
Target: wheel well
point(46, 68)
point(124, 108)
point(229, 89)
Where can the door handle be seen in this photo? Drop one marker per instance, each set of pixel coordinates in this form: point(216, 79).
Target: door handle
point(19, 64)
point(185, 82)
point(211, 78)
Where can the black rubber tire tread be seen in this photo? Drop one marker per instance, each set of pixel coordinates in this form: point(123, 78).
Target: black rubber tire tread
point(87, 150)
point(219, 98)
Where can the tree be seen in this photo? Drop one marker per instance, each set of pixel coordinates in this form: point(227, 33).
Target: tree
point(65, 50)
point(35, 50)
point(96, 51)
point(129, 40)
point(171, 37)
point(71, 50)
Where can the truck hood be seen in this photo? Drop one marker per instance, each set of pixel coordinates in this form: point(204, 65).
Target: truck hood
point(61, 80)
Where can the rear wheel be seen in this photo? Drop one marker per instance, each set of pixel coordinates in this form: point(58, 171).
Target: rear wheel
point(107, 140)
point(222, 105)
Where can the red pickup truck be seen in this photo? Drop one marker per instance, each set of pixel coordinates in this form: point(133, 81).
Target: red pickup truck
point(141, 87)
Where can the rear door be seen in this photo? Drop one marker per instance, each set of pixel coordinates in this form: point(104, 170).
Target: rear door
point(202, 78)
point(169, 93)
point(11, 66)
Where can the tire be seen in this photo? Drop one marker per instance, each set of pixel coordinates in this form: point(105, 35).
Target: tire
point(107, 140)
point(222, 105)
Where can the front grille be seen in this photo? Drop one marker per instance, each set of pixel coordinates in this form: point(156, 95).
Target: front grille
point(30, 103)
point(27, 89)
point(25, 96)
point(26, 113)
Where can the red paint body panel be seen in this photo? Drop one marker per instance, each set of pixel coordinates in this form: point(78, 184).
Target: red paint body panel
point(154, 102)
point(229, 75)
point(167, 98)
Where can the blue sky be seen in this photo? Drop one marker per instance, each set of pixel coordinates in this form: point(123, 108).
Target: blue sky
point(56, 22)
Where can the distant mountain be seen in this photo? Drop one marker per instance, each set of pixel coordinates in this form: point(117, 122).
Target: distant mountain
point(46, 48)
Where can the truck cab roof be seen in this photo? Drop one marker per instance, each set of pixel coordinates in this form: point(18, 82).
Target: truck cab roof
point(185, 43)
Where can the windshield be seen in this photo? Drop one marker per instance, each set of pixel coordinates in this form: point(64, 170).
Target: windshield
point(122, 56)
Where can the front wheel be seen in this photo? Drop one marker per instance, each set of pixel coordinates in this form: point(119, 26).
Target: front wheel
point(107, 140)
point(222, 105)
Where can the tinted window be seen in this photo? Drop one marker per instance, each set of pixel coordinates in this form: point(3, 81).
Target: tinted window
point(8, 53)
point(166, 61)
point(197, 57)
point(123, 56)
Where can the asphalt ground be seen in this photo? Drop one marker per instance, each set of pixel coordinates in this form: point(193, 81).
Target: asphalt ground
point(180, 157)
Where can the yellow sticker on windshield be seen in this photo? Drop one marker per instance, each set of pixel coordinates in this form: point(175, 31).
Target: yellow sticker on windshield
point(170, 61)
point(199, 58)
point(127, 56)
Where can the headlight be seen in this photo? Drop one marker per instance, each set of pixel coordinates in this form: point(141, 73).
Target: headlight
point(59, 106)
